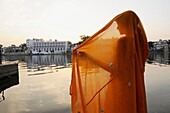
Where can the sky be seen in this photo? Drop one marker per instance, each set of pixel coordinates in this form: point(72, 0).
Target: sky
point(66, 20)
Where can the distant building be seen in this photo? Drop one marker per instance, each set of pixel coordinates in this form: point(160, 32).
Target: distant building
point(39, 46)
point(73, 46)
point(11, 49)
point(159, 46)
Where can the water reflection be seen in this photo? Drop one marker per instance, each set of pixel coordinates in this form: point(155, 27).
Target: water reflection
point(159, 58)
point(44, 90)
point(40, 60)
point(41, 64)
point(157, 88)
point(49, 93)
point(61, 60)
point(46, 60)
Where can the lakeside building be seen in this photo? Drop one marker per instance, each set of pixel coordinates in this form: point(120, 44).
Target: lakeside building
point(160, 46)
point(40, 46)
point(11, 49)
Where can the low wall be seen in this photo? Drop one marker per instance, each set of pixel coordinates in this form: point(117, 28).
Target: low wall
point(8, 70)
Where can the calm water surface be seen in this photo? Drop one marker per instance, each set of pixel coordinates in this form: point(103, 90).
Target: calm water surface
point(44, 85)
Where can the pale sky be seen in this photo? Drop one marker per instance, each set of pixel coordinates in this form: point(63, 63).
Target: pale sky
point(68, 19)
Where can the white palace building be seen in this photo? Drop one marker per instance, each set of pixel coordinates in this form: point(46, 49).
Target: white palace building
point(39, 46)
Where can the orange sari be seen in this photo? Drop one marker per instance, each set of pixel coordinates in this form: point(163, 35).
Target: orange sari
point(108, 69)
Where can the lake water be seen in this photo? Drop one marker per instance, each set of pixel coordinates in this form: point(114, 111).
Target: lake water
point(44, 85)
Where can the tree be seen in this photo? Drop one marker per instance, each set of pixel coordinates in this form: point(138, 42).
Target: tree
point(84, 37)
point(23, 47)
point(150, 44)
point(69, 42)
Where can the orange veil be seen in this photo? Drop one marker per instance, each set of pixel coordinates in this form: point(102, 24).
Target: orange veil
point(108, 69)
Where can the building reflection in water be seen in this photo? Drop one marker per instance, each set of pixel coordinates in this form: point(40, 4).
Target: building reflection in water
point(46, 60)
point(61, 60)
point(159, 57)
point(38, 61)
point(41, 60)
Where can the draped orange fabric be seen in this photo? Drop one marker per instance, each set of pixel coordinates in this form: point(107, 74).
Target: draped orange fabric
point(108, 69)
